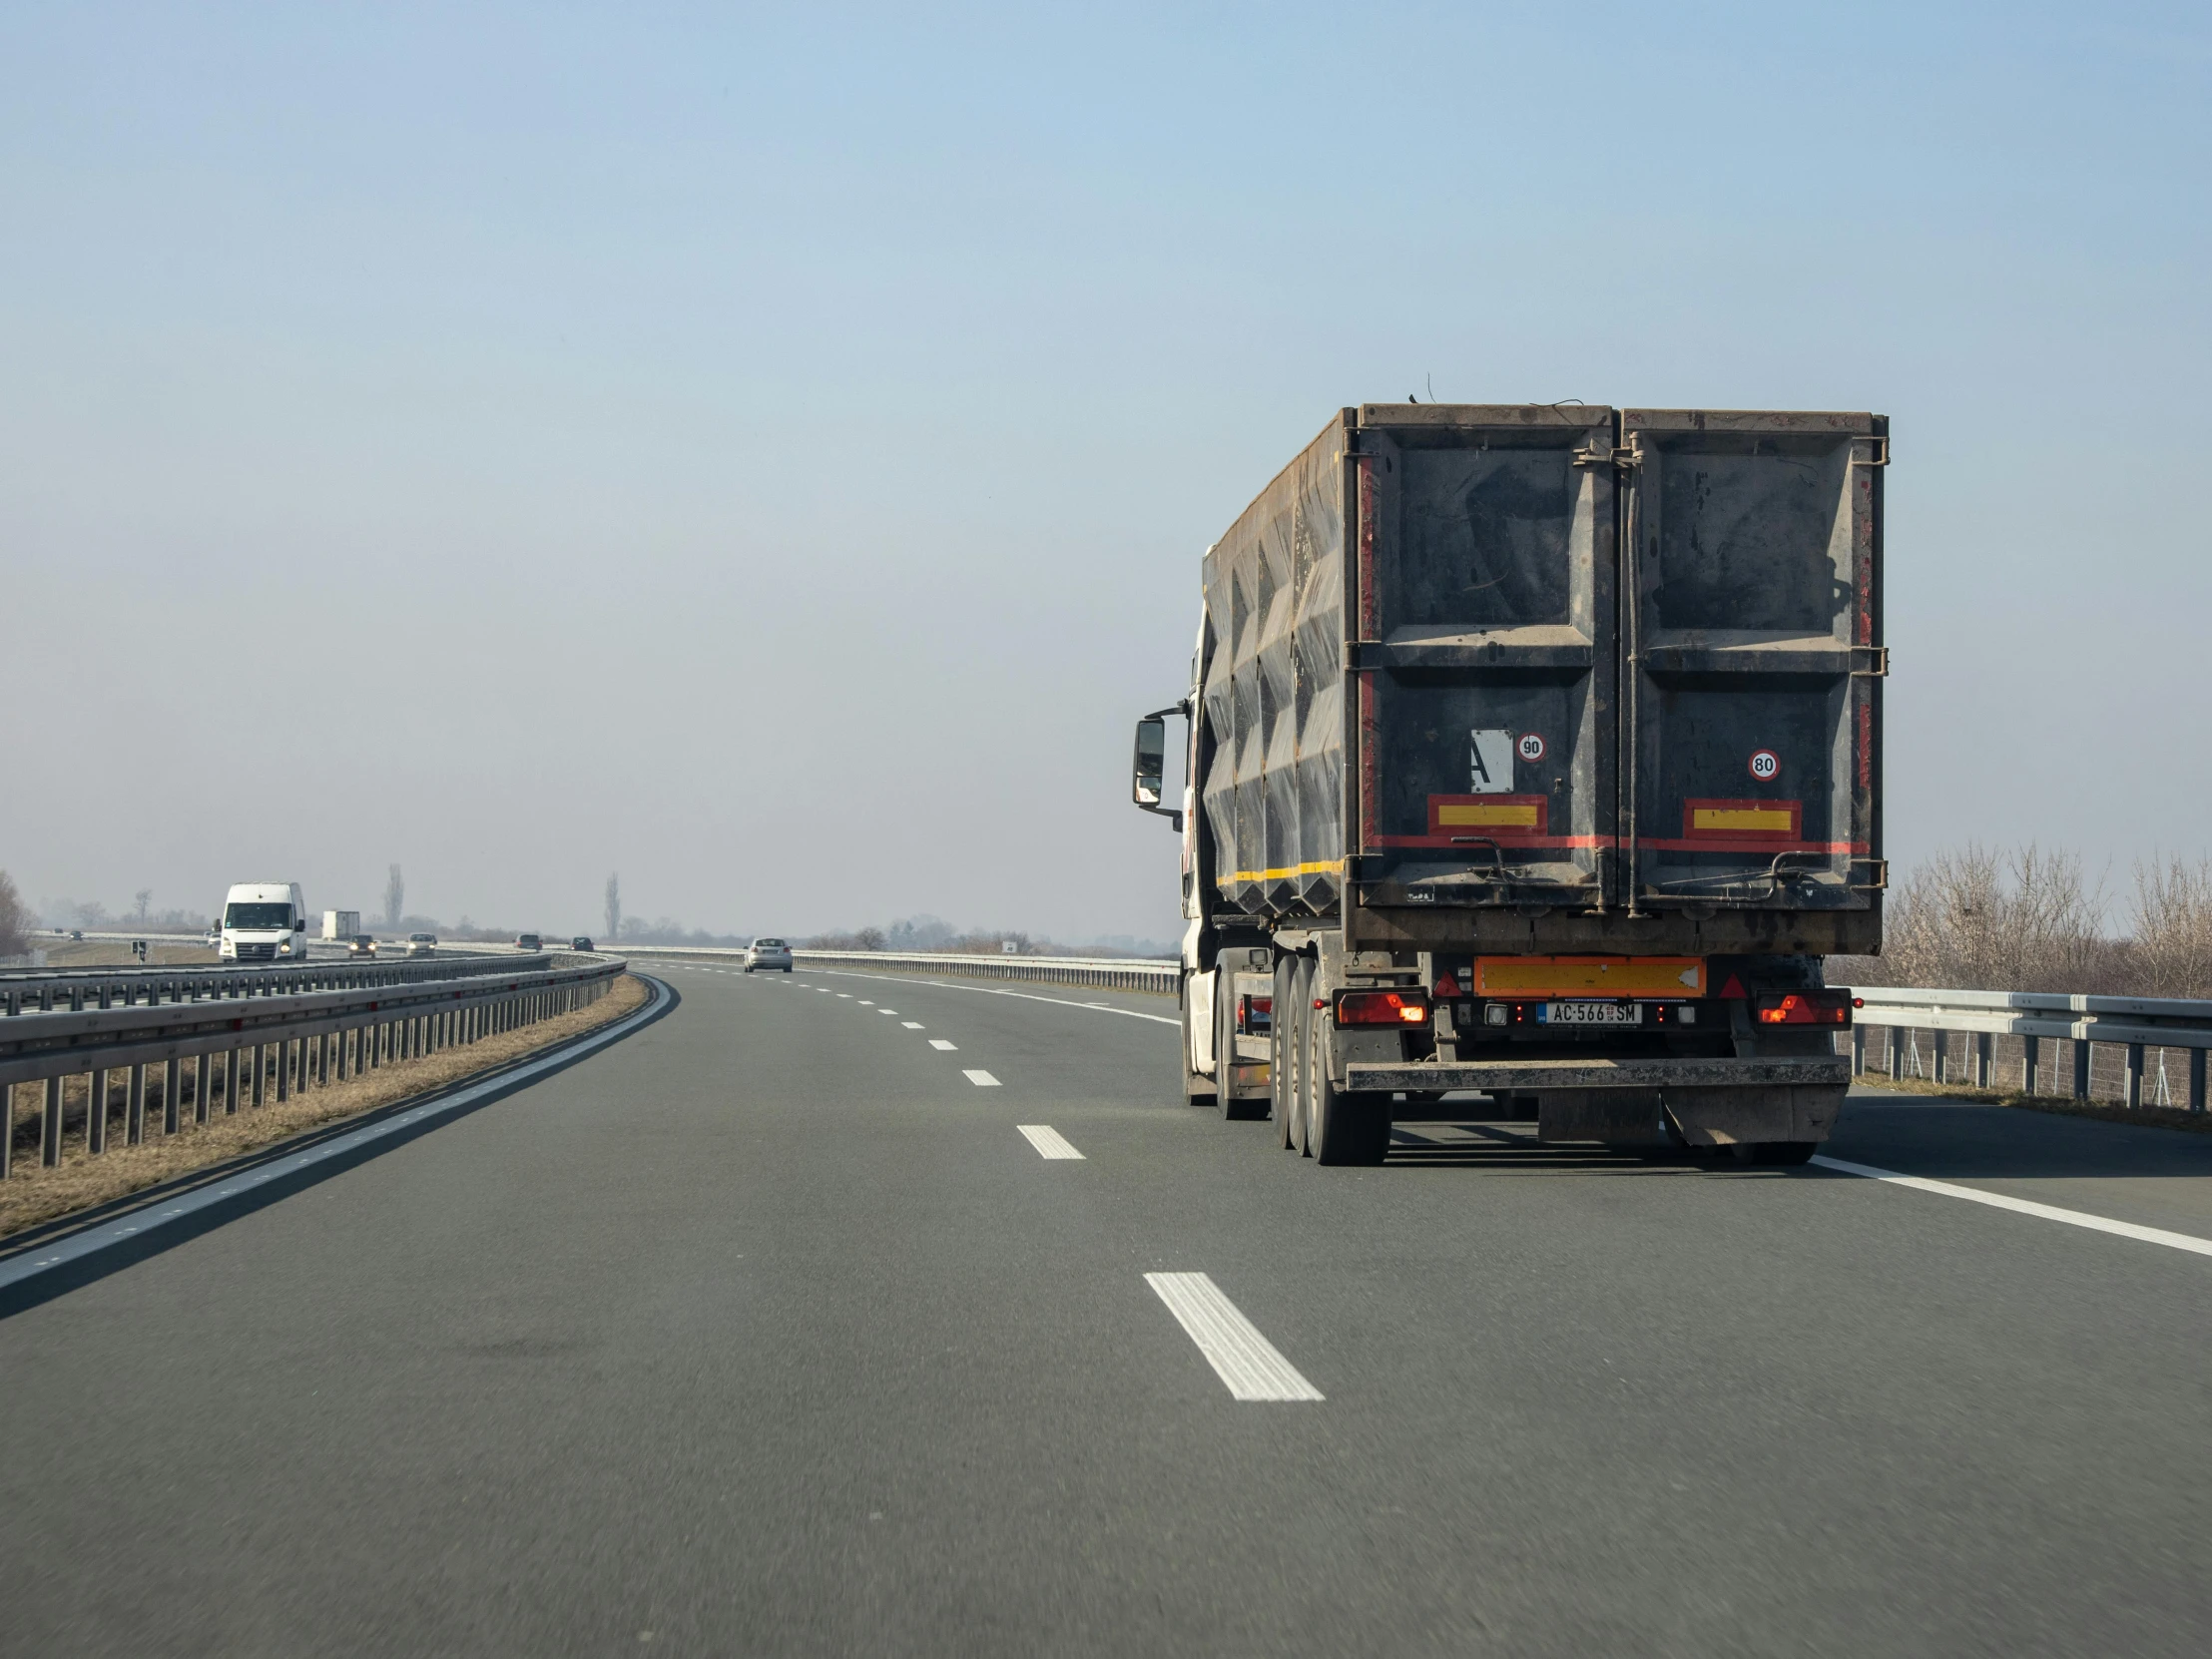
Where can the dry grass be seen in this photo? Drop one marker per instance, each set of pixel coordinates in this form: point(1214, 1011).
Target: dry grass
point(34, 1194)
point(84, 953)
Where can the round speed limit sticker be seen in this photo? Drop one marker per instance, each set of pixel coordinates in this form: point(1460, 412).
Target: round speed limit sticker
point(1531, 747)
point(1766, 765)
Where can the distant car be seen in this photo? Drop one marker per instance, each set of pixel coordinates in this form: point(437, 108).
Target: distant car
point(75, 934)
point(361, 945)
point(767, 954)
point(422, 945)
point(581, 943)
point(528, 941)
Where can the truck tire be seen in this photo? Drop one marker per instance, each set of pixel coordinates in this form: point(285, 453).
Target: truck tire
point(1341, 1127)
point(1298, 984)
point(1282, 1051)
point(1225, 1053)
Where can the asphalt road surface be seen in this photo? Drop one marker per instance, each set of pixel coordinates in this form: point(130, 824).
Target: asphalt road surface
point(794, 1324)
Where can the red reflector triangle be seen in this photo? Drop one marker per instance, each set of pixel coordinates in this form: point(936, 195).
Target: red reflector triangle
point(1447, 986)
point(1734, 988)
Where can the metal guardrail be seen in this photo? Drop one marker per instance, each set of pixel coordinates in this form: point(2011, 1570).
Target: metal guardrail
point(42, 990)
point(389, 1018)
point(2133, 1023)
point(1123, 973)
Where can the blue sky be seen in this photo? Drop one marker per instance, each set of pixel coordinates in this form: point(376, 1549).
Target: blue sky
point(768, 452)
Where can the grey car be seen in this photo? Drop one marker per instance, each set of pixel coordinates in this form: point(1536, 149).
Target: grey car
point(767, 954)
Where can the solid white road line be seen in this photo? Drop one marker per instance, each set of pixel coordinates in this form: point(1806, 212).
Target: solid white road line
point(1049, 1141)
point(981, 1079)
point(940, 1043)
point(913, 1026)
point(2026, 1206)
point(1247, 1361)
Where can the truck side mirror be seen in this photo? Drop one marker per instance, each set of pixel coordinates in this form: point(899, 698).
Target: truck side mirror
point(1151, 765)
point(1148, 774)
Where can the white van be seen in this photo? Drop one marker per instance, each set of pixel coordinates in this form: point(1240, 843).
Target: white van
point(263, 921)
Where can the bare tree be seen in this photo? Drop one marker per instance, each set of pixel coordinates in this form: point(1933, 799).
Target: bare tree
point(395, 900)
point(143, 897)
point(14, 919)
point(2172, 917)
point(614, 905)
point(1983, 920)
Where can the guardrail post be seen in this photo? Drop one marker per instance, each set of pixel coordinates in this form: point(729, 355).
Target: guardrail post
point(203, 1086)
point(2134, 1076)
point(2031, 1054)
point(172, 1077)
point(134, 1121)
point(1895, 1040)
point(1939, 1044)
point(1984, 1048)
point(95, 1109)
point(2196, 1085)
point(230, 1082)
point(284, 1071)
point(49, 1126)
point(1858, 1049)
point(261, 1072)
point(2080, 1069)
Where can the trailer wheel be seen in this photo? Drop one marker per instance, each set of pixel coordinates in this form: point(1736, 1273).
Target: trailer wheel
point(1291, 1046)
point(1279, 1052)
point(1783, 1152)
point(1341, 1127)
point(1225, 1053)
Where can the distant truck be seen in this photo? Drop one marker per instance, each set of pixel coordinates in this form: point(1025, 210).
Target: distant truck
point(1535, 750)
point(263, 921)
point(340, 925)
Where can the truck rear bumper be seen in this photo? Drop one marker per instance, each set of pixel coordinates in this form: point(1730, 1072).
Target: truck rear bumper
point(1699, 1103)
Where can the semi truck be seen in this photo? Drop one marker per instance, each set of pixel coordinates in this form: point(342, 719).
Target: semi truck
point(340, 925)
point(1533, 751)
point(263, 921)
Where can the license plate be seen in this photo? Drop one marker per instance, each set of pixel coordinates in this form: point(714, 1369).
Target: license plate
point(1591, 1013)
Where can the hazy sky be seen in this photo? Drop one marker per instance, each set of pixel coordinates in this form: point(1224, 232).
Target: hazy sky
point(768, 452)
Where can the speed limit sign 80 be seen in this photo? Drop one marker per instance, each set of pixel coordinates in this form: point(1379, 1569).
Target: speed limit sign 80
point(1766, 765)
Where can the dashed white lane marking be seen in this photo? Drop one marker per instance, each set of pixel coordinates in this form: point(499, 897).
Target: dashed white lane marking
point(1049, 1141)
point(866, 1003)
point(845, 997)
point(893, 1012)
point(2026, 1206)
point(1025, 996)
point(913, 1026)
point(1252, 1366)
point(981, 1079)
point(940, 1043)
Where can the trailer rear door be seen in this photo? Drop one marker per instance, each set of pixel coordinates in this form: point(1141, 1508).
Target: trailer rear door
point(1751, 681)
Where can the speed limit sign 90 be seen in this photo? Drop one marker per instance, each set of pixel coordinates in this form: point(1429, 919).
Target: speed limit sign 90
point(1764, 765)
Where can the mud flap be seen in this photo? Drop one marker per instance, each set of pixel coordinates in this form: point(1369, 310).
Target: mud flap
point(1622, 1117)
point(1733, 1116)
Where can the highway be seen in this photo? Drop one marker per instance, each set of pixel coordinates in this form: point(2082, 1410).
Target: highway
point(791, 1325)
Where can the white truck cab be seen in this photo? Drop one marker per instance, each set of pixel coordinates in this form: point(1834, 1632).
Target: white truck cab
point(263, 921)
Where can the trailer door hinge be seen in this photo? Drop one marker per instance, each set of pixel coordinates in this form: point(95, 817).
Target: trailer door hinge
point(1869, 662)
point(1597, 454)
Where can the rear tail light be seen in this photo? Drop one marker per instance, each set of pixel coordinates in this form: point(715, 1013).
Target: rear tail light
point(1805, 1008)
point(1382, 1008)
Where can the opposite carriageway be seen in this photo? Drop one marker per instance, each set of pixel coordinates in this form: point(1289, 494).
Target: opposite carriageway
point(268, 1031)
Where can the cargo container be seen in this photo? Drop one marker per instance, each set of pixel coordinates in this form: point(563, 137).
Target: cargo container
point(340, 925)
point(1534, 751)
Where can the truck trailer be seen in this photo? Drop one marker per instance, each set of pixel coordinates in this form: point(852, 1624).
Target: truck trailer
point(340, 925)
point(1534, 751)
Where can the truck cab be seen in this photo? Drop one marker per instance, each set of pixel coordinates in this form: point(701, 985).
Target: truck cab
point(263, 921)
